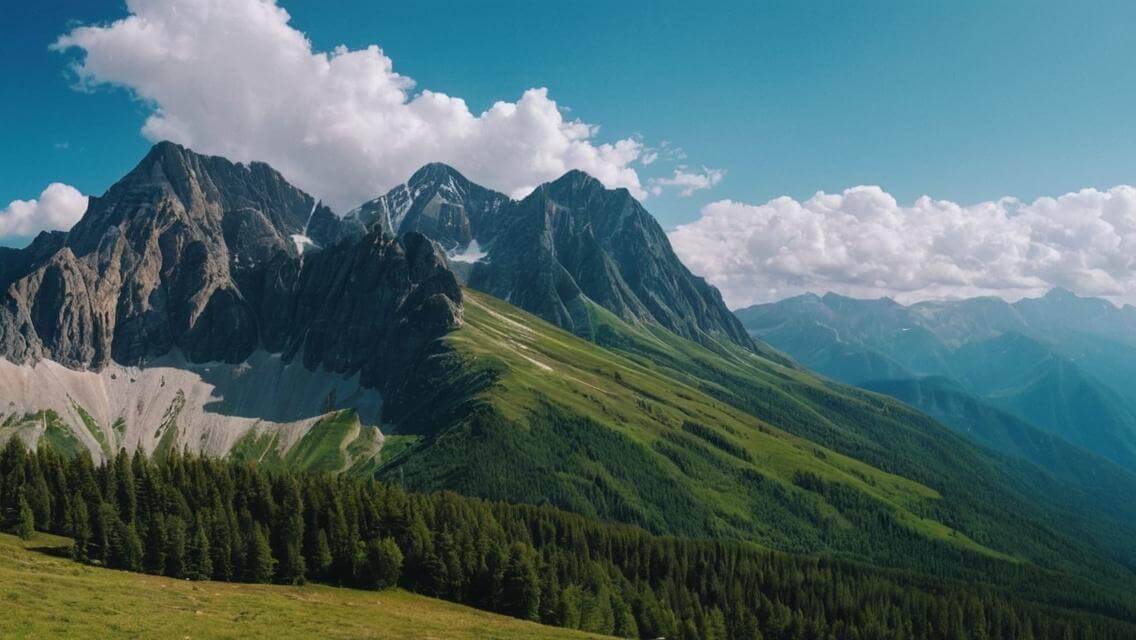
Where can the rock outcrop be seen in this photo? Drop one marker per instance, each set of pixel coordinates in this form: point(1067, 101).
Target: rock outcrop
point(570, 241)
point(211, 258)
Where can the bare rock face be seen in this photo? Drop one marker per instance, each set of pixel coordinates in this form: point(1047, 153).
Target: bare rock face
point(570, 241)
point(208, 257)
point(438, 202)
point(573, 238)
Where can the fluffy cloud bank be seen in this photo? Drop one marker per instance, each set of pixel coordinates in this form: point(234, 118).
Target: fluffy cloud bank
point(863, 243)
point(233, 78)
point(58, 207)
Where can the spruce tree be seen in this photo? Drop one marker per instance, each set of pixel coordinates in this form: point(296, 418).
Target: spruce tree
point(625, 625)
point(344, 546)
point(520, 593)
point(126, 499)
point(198, 561)
point(103, 517)
point(289, 533)
point(126, 547)
point(175, 547)
point(221, 543)
point(260, 563)
point(25, 518)
point(383, 564)
point(80, 531)
point(321, 561)
point(154, 552)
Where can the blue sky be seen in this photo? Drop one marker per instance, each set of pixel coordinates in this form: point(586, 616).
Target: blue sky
point(966, 101)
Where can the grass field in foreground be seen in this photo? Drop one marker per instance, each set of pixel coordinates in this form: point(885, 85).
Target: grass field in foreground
point(47, 597)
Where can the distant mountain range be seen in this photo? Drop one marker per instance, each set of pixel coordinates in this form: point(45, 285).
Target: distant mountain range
point(1061, 363)
point(554, 350)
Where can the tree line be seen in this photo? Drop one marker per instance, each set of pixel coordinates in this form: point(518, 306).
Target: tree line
point(186, 516)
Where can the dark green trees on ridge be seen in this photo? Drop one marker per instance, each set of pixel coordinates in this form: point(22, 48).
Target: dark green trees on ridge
point(190, 517)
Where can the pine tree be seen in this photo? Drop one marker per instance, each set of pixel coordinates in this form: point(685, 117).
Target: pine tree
point(568, 612)
point(221, 543)
point(198, 561)
point(126, 499)
point(25, 519)
point(520, 593)
point(11, 481)
point(419, 543)
point(38, 494)
point(56, 477)
point(80, 531)
point(625, 625)
point(103, 517)
point(154, 552)
point(289, 533)
point(175, 547)
point(126, 548)
point(383, 564)
point(261, 564)
point(321, 561)
point(344, 546)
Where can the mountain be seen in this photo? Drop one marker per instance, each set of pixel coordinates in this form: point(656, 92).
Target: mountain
point(1103, 481)
point(1061, 363)
point(190, 260)
point(209, 306)
point(569, 242)
point(664, 433)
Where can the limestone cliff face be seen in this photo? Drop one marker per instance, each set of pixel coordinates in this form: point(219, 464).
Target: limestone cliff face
point(204, 256)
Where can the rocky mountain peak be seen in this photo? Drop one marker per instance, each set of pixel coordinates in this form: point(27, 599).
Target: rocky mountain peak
point(576, 180)
point(435, 173)
point(195, 253)
point(572, 241)
point(247, 210)
point(598, 246)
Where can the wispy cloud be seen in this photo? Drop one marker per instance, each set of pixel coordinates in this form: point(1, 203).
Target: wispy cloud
point(687, 181)
point(665, 151)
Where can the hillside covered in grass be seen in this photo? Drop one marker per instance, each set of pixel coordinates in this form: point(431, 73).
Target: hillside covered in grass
point(645, 427)
point(53, 597)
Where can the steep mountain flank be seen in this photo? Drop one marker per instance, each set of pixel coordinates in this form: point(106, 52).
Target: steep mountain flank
point(1062, 363)
point(568, 242)
point(198, 256)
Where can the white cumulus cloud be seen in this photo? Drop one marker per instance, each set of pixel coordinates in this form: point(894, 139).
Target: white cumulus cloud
point(58, 207)
point(863, 243)
point(234, 78)
point(686, 181)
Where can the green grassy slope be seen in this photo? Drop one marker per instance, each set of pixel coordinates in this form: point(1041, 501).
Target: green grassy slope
point(335, 443)
point(678, 438)
point(54, 430)
point(48, 597)
point(998, 500)
point(623, 436)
